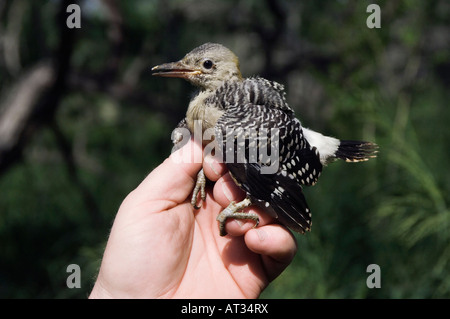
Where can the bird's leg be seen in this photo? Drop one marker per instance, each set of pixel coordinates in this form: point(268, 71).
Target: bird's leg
point(234, 210)
point(199, 188)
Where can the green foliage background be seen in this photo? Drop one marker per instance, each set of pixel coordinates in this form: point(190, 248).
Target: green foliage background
point(388, 85)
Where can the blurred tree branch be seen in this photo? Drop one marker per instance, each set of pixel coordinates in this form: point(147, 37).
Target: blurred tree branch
point(11, 40)
point(32, 103)
point(18, 109)
point(34, 98)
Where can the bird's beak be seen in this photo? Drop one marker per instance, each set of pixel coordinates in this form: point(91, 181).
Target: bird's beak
point(174, 70)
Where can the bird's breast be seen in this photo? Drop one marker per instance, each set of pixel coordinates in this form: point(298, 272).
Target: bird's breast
point(202, 114)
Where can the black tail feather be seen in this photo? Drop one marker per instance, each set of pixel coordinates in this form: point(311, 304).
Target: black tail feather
point(356, 151)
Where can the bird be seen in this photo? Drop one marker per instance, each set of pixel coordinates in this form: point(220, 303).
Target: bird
point(239, 110)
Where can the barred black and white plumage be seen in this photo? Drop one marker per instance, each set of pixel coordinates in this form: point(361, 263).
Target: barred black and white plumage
point(239, 110)
point(256, 103)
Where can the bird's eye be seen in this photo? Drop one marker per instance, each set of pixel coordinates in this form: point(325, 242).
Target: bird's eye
point(208, 64)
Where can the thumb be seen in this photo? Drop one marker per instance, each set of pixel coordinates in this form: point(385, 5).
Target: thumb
point(174, 179)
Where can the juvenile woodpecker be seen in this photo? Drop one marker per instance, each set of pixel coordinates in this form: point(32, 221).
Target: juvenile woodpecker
point(244, 108)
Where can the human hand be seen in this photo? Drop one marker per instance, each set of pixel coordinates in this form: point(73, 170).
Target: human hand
point(159, 247)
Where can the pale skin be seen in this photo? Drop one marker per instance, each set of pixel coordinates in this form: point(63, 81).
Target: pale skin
point(160, 247)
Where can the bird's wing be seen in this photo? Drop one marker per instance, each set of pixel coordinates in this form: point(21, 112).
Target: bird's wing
point(242, 129)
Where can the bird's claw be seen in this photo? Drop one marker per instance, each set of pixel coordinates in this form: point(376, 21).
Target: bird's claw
point(199, 188)
point(233, 210)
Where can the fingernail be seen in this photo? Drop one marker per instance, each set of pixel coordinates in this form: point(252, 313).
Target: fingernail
point(239, 222)
point(213, 164)
point(226, 191)
point(262, 235)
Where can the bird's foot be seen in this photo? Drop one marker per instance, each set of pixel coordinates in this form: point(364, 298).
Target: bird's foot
point(199, 188)
point(234, 211)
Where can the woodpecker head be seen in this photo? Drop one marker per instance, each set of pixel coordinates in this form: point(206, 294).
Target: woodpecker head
point(207, 67)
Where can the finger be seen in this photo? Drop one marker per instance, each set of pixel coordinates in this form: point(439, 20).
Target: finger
point(226, 191)
point(213, 168)
point(239, 227)
point(276, 244)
